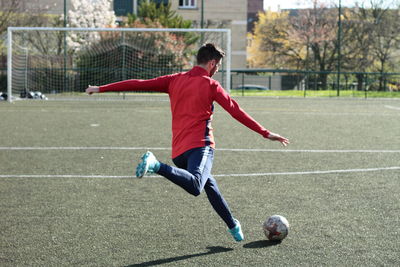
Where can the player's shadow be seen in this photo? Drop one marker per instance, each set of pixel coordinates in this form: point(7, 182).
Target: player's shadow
point(262, 244)
point(211, 250)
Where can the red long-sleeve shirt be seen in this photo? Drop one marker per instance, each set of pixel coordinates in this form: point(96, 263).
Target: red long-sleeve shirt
point(191, 96)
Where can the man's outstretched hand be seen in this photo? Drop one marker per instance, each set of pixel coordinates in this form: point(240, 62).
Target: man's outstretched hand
point(276, 137)
point(92, 89)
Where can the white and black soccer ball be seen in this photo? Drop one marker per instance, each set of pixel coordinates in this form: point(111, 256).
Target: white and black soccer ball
point(276, 227)
point(3, 96)
point(35, 95)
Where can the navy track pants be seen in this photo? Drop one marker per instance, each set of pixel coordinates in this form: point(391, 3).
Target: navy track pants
point(194, 174)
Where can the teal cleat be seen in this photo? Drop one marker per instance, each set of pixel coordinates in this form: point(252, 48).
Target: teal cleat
point(236, 232)
point(148, 164)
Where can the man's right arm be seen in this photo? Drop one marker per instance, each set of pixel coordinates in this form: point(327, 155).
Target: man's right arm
point(233, 108)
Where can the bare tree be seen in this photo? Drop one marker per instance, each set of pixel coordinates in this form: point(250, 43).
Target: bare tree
point(381, 24)
point(315, 30)
point(8, 8)
point(19, 13)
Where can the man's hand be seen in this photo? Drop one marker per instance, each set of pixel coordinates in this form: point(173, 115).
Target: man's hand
point(276, 137)
point(92, 89)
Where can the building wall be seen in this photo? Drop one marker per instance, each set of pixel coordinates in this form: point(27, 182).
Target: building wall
point(231, 14)
point(253, 7)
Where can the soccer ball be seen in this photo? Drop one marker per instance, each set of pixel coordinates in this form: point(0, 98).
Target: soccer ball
point(276, 227)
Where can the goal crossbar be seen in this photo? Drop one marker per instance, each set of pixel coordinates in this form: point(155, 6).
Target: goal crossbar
point(116, 29)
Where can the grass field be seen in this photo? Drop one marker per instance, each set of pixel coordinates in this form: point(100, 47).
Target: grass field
point(68, 196)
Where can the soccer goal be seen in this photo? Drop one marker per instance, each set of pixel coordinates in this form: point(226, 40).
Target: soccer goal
point(64, 61)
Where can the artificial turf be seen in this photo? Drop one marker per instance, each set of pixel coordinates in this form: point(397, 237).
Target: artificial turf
point(70, 199)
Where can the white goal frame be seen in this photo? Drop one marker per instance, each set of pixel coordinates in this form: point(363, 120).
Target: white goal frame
point(10, 31)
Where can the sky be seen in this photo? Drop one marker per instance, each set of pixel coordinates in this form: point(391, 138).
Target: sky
point(286, 4)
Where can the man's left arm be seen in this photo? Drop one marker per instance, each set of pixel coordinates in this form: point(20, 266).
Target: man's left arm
point(159, 84)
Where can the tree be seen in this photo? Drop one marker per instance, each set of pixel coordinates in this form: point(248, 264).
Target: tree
point(132, 55)
point(267, 48)
point(180, 44)
point(386, 39)
point(375, 40)
point(316, 30)
point(141, 55)
point(150, 12)
point(88, 14)
point(358, 47)
point(14, 13)
point(306, 40)
point(8, 8)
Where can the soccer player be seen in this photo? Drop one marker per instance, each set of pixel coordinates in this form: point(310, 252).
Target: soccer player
point(192, 95)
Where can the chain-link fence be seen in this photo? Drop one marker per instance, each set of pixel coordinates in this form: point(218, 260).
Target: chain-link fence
point(307, 83)
point(301, 83)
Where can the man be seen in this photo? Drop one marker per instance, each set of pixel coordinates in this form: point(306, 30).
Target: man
point(191, 96)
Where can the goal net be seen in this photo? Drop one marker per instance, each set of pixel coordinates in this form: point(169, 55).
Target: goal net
point(62, 62)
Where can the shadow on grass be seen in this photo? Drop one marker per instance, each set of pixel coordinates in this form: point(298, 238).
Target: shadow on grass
point(212, 250)
point(262, 244)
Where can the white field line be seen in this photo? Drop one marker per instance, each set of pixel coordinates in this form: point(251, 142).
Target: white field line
point(392, 107)
point(216, 175)
point(310, 172)
point(218, 149)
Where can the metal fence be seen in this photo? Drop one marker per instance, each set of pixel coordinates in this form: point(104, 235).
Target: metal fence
point(308, 82)
point(299, 83)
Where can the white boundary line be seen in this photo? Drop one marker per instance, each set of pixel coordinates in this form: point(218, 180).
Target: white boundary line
point(309, 150)
point(216, 175)
point(310, 172)
point(218, 149)
point(392, 107)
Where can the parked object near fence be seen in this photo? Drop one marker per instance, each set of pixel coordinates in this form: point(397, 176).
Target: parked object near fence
point(251, 87)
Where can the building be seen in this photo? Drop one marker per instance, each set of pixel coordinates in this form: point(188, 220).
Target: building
point(253, 7)
point(231, 14)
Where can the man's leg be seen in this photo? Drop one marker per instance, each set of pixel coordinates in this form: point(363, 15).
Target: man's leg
point(221, 207)
point(194, 169)
point(218, 202)
point(193, 174)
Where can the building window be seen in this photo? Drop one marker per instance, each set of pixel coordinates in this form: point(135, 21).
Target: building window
point(159, 2)
point(125, 7)
point(187, 3)
point(122, 8)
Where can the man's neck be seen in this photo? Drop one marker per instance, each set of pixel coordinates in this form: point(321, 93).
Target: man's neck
point(204, 67)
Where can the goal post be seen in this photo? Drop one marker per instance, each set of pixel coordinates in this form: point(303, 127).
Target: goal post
point(59, 61)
